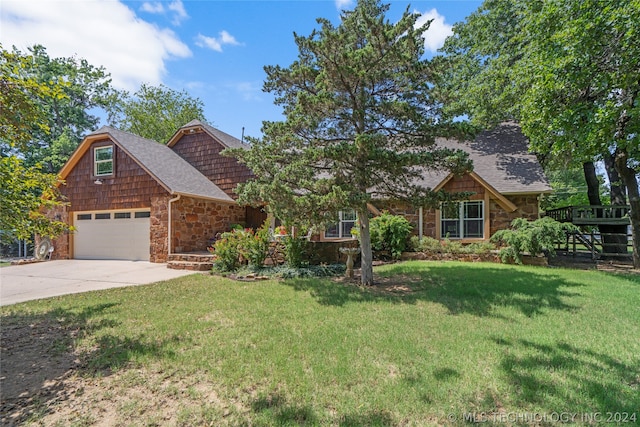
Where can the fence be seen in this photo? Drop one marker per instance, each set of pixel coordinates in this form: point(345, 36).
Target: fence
point(614, 245)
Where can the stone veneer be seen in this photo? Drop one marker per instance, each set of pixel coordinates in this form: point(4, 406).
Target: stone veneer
point(197, 221)
point(528, 208)
point(158, 229)
point(61, 244)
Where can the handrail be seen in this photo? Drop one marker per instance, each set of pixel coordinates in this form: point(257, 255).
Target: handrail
point(589, 212)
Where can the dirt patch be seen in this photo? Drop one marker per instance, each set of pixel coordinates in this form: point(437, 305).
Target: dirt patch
point(44, 382)
point(34, 368)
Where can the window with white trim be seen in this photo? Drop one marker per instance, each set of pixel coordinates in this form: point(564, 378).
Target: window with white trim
point(462, 220)
point(103, 161)
point(342, 228)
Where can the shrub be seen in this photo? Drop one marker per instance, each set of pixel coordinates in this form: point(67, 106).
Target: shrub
point(295, 251)
point(226, 251)
point(254, 247)
point(534, 237)
point(426, 244)
point(235, 247)
point(390, 233)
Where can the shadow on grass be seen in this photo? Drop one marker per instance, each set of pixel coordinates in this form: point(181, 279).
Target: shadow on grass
point(581, 380)
point(273, 409)
point(39, 356)
point(462, 289)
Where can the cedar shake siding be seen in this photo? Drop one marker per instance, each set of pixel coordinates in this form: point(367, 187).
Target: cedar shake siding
point(203, 153)
point(131, 186)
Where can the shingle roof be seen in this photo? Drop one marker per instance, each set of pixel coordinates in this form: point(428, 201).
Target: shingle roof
point(501, 157)
point(167, 167)
point(226, 139)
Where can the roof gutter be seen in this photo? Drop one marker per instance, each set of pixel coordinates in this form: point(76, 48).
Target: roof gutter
point(175, 199)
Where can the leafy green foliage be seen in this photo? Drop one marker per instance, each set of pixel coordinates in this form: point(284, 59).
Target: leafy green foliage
point(70, 90)
point(566, 70)
point(533, 237)
point(25, 193)
point(255, 246)
point(295, 251)
point(226, 251)
point(155, 112)
point(359, 117)
point(430, 245)
point(390, 233)
point(240, 245)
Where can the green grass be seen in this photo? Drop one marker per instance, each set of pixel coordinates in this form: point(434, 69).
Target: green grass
point(4, 264)
point(434, 339)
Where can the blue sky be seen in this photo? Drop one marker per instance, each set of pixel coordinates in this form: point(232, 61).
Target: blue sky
point(214, 49)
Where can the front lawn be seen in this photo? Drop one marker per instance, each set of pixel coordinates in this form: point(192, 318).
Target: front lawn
point(433, 342)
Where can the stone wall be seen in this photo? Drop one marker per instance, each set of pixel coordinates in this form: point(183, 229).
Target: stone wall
point(158, 229)
point(61, 244)
point(197, 221)
point(527, 208)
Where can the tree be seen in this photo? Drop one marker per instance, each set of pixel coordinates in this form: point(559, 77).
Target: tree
point(71, 90)
point(25, 191)
point(155, 112)
point(567, 71)
point(360, 124)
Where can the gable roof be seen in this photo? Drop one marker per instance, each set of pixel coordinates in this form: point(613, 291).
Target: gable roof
point(501, 158)
point(223, 138)
point(170, 170)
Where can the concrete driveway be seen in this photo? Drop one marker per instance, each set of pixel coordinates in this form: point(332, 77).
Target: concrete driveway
point(27, 282)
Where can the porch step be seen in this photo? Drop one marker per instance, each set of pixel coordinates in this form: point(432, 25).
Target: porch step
point(188, 265)
point(199, 261)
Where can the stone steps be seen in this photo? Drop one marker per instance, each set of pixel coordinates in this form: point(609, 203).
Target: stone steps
point(194, 261)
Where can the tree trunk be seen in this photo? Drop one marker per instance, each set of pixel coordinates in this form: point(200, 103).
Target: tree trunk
point(618, 190)
point(366, 255)
point(631, 182)
point(593, 185)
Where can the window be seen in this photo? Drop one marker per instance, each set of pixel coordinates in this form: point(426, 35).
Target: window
point(83, 217)
point(103, 161)
point(122, 215)
point(342, 228)
point(103, 216)
point(462, 220)
point(143, 214)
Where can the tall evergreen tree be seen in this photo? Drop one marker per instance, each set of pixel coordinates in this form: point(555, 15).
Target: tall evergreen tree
point(360, 124)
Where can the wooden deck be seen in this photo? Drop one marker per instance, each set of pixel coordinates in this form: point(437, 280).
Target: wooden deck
point(592, 215)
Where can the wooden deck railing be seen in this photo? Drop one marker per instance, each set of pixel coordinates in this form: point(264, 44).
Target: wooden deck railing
point(591, 215)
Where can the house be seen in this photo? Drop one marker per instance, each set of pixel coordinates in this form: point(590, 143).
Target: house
point(507, 182)
point(133, 198)
point(127, 194)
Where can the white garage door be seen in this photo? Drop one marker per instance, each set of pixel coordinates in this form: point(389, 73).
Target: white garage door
point(111, 235)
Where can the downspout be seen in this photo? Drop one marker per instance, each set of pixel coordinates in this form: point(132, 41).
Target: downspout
point(175, 199)
point(420, 222)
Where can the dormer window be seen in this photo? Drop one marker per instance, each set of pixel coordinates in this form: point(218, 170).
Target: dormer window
point(103, 161)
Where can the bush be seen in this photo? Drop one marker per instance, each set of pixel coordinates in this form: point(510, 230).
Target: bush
point(239, 245)
point(534, 237)
point(430, 245)
point(390, 233)
point(295, 251)
point(226, 251)
point(255, 245)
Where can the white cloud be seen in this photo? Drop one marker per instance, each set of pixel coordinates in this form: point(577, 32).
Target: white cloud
point(343, 4)
point(249, 91)
point(152, 7)
point(157, 8)
point(180, 12)
point(216, 43)
point(438, 31)
point(105, 33)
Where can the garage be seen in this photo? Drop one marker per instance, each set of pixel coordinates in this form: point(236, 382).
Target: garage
point(118, 234)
